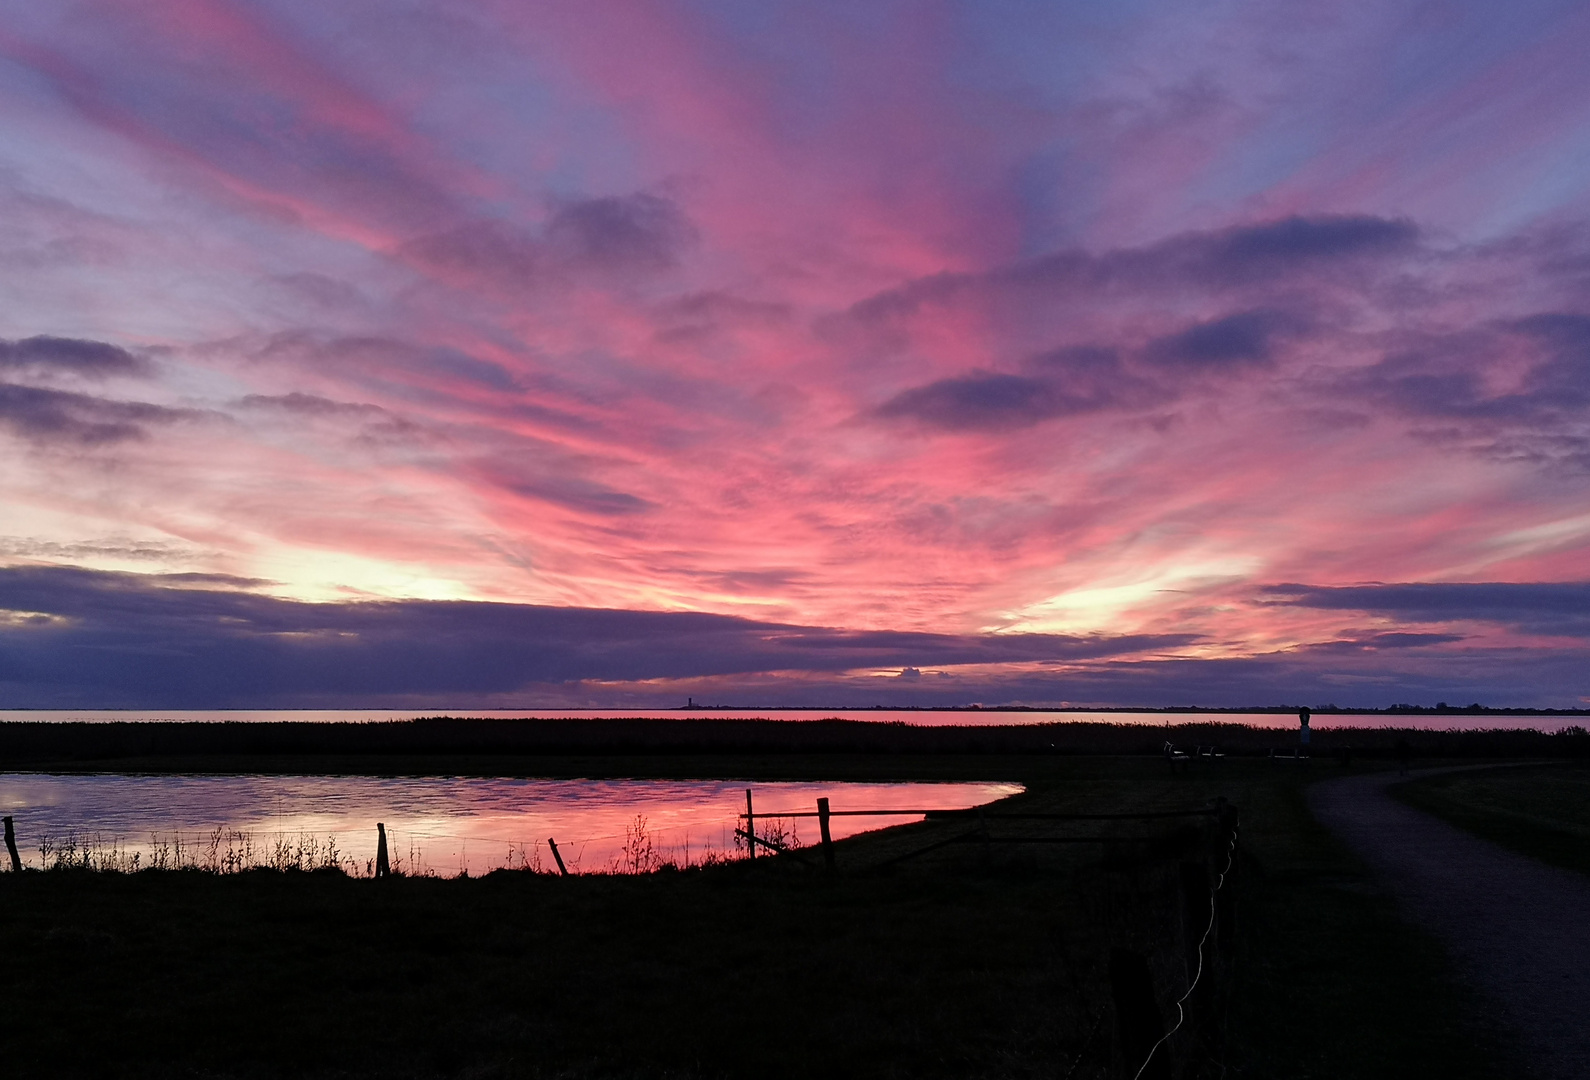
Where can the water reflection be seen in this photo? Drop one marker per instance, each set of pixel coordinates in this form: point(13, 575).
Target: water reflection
point(924, 718)
point(440, 825)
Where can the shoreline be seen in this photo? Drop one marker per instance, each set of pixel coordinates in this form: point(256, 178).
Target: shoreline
point(706, 746)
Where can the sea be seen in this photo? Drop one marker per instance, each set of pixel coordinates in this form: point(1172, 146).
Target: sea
point(926, 717)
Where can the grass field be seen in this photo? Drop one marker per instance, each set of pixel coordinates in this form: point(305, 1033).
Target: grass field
point(1538, 810)
point(970, 962)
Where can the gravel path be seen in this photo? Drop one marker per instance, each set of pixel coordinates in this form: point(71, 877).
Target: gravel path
point(1518, 930)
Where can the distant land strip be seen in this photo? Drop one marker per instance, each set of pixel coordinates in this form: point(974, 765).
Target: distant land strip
point(1441, 709)
point(24, 744)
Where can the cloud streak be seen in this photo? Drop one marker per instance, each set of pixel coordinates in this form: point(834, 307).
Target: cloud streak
point(988, 327)
point(95, 359)
point(1558, 608)
point(56, 417)
point(74, 635)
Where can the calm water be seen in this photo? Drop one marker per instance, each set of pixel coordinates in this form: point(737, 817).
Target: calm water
point(439, 824)
point(908, 716)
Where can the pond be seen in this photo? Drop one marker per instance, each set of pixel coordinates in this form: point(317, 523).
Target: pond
point(435, 825)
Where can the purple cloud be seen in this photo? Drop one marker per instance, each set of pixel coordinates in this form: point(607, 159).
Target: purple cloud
point(1243, 339)
point(57, 417)
point(43, 354)
point(634, 235)
point(1066, 382)
point(1541, 607)
point(196, 641)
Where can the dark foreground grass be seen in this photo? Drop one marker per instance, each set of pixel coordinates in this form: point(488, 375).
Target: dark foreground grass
point(966, 964)
point(1538, 810)
point(684, 974)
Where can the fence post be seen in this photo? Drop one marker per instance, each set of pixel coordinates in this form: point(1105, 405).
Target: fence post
point(1226, 919)
point(1225, 899)
point(1197, 912)
point(750, 827)
point(382, 866)
point(822, 825)
point(1138, 1023)
point(16, 861)
point(553, 844)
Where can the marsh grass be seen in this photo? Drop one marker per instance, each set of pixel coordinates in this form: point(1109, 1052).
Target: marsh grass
point(237, 851)
point(785, 832)
point(480, 746)
point(1538, 810)
point(219, 851)
point(89, 853)
point(641, 854)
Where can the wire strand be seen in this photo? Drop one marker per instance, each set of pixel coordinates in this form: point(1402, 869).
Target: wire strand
point(1181, 1013)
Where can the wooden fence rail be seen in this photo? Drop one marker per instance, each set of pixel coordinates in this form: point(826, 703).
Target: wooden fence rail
point(824, 813)
point(974, 811)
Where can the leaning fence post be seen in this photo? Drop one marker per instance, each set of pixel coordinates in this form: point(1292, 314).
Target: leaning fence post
point(11, 845)
point(822, 825)
point(382, 866)
point(750, 827)
point(553, 844)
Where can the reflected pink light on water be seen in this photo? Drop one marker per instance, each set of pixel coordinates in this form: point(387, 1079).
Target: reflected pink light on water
point(919, 717)
point(444, 825)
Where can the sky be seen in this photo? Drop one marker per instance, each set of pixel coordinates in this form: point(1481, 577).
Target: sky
point(421, 354)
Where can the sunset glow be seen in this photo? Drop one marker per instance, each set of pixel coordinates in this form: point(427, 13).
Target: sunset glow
point(1118, 354)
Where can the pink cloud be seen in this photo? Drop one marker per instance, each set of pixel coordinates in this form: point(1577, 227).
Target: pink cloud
point(845, 322)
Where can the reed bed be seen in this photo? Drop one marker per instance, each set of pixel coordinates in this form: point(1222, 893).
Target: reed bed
point(219, 851)
point(424, 745)
point(237, 851)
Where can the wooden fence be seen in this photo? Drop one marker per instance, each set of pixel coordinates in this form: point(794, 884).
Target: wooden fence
point(982, 833)
point(1143, 1036)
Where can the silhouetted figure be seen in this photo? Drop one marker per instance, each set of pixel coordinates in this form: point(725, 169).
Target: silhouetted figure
point(1404, 755)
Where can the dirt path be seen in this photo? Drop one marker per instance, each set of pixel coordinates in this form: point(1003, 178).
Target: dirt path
point(1518, 930)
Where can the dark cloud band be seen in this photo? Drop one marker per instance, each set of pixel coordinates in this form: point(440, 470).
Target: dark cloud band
point(91, 636)
point(1550, 607)
point(55, 417)
point(75, 355)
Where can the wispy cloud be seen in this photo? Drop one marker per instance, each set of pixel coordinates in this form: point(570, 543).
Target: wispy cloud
point(971, 323)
